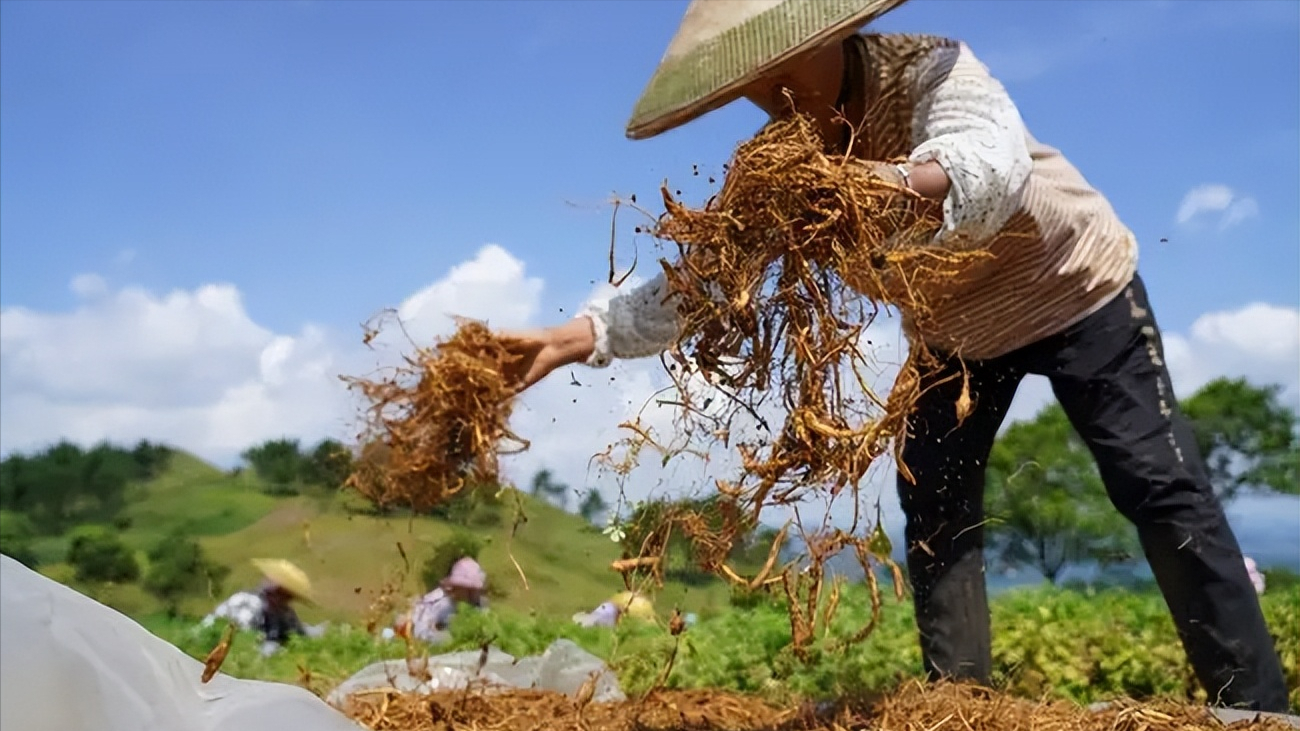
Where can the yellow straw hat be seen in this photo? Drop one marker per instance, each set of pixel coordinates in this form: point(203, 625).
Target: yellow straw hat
point(285, 575)
point(723, 45)
point(634, 604)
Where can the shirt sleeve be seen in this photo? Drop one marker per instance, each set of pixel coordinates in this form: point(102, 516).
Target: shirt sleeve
point(636, 324)
point(965, 121)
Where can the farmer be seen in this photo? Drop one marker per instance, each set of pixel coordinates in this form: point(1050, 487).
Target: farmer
point(430, 615)
point(269, 611)
point(612, 611)
point(1060, 298)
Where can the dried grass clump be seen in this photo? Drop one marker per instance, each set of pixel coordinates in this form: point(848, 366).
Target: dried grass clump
point(436, 424)
point(777, 280)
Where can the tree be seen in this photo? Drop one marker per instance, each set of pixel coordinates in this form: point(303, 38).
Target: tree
point(178, 566)
point(96, 554)
point(593, 506)
point(65, 485)
point(328, 466)
point(1047, 506)
point(150, 458)
point(546, 488)
point(279, 462)
point(1248, 438)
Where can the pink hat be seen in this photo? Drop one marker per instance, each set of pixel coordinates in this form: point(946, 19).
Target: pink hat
point(466, 574)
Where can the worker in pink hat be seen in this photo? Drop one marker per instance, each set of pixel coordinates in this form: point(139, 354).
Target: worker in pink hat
point(1060, 297)
point(431, 614)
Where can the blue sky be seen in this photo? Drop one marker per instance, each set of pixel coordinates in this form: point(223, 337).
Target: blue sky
point(371, 146)
point(200, 201)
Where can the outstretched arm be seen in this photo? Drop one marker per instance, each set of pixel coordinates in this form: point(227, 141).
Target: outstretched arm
point(633, 324)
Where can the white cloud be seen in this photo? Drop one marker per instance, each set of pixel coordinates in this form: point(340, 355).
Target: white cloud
point(87, 286)
point(1258, 341)
point(1203, 201)
point(492, 287)
point(188, 367)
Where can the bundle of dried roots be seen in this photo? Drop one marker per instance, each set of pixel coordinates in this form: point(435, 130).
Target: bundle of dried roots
point(779, 276)
point(437, 423)
point(777, 279)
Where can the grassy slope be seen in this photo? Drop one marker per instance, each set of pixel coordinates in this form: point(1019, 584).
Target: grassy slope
point(350, 557)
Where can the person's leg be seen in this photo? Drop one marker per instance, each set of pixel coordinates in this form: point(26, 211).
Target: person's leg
point(1110, 377)
point(944, 509)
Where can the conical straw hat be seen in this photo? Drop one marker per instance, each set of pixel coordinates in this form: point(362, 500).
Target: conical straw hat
point(285, 575)
point(723, 45)
point(635, 605)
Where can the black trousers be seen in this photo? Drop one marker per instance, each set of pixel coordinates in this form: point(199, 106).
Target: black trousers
point(1109, 375)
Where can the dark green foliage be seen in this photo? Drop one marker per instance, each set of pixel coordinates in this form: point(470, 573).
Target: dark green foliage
point(16, 536)
point(1046, 504)
point(178, 567)
point(593, 506)
point(457, 546)
point(96, 554)
point(1248, 438)
point(66, 485)
point(545, 487)
point(287, 470)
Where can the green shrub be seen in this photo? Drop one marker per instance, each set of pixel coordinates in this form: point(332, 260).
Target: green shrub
point(178, 567)
point(96, 554)
point(17, 534)
point(457, 546)
point(1046, 643)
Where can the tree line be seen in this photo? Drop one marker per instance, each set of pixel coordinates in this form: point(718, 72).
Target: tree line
point(1048, 509)
point(1046, 505)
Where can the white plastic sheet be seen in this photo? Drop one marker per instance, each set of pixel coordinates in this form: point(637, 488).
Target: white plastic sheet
point(69, 663)
point(562, 668)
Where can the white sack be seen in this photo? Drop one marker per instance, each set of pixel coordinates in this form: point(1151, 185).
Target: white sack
point(69, 663)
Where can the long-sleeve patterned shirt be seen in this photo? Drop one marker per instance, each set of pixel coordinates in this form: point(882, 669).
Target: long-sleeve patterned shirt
point(1059, 250)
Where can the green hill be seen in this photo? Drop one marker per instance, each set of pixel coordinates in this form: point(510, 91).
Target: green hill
point(552, 562)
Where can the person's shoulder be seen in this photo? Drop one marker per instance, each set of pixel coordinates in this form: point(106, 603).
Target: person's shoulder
point(437, 595)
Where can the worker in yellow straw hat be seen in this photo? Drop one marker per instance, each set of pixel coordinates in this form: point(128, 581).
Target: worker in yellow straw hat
point(276, 620)
point(612, 611)
point(1060, 298)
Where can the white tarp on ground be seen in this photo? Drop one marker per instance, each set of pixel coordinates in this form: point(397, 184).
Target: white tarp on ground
point(69, 663)
point(562, 668)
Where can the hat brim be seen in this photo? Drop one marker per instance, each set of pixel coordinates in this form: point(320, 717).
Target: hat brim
point(287, 577)
point(716, 72)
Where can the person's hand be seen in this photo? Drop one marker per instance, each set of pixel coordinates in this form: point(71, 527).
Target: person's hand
point(541, 351)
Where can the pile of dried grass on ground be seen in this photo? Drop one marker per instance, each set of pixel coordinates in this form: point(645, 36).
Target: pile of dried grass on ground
point(913, 708)
point(436, 423)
